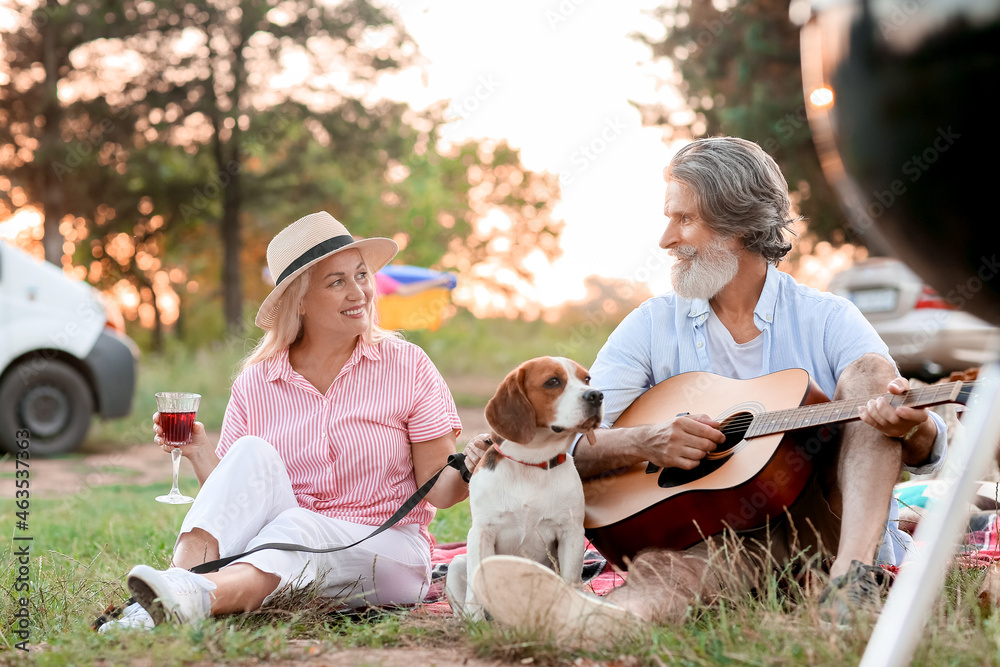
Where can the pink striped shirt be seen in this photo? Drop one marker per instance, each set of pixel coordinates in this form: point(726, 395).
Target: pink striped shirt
point(348, 452)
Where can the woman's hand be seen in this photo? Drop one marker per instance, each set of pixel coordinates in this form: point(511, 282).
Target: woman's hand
point(199, 439)
point(200, 451)
point(475, 449)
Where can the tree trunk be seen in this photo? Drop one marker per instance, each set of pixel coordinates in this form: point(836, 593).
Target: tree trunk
point(51, 144)
point(229, 164)
point(232, 245)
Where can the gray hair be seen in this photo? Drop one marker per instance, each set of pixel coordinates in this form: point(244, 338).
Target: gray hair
point(740, 192)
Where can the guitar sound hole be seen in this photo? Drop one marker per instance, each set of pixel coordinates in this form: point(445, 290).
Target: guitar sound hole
point(734, 427)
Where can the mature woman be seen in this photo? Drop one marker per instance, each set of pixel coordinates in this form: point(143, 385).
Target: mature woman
point(332, 424)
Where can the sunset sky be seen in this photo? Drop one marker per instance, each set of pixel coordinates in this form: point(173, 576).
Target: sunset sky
point(554, 79)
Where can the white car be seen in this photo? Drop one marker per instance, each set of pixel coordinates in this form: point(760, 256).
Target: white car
point(927, 336)
point(64, 356)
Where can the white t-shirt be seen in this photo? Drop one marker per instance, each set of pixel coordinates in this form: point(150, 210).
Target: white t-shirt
point(730, 359)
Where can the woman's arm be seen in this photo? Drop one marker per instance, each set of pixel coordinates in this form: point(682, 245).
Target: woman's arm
point(428, 458)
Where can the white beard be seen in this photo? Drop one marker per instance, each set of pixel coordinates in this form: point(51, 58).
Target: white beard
point(702, 274)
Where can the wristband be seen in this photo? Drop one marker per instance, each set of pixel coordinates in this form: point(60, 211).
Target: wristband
point(910, 433)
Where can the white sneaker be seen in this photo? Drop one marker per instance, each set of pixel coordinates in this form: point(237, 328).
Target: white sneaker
point(523, 594)
point(133, 617)
point(175, 594)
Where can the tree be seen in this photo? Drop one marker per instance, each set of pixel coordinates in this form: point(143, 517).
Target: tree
point(42, 138)
point(737, 64)
point(245, 116)
point(203, 81)
point(221, 57)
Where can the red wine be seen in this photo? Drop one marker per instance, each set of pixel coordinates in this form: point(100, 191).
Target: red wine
point(177, 427)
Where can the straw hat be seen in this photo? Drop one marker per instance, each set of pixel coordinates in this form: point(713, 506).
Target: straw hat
point(305, 242)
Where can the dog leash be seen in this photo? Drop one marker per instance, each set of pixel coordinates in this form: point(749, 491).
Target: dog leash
point(456, 461)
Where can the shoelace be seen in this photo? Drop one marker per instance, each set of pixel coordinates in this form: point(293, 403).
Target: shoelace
point(185, 583)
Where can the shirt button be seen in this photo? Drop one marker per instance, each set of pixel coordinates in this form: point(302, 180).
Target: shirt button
point(693, 313)
point(700, 344)
point(768, 318)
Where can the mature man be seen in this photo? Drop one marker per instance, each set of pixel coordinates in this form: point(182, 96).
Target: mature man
point(734, 314)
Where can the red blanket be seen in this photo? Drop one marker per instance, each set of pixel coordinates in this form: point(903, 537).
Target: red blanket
point(982, 542)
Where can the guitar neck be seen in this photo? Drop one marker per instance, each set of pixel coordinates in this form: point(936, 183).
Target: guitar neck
point(833, 412)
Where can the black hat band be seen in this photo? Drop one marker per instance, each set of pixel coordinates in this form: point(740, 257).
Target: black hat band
point(314, 253)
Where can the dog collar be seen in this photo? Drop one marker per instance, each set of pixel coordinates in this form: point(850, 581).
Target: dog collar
point(546, 465)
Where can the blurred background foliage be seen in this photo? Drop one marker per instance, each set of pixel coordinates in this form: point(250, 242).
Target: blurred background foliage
point(164, 143)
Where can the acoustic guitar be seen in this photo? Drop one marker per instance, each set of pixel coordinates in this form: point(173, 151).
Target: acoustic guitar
point(775, 426)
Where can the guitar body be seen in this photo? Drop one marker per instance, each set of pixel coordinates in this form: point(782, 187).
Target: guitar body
point(639, 507)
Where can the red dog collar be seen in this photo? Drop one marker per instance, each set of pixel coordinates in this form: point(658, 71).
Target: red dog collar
point(551, 463)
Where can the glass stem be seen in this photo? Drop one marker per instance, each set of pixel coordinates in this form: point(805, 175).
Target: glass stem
point(175, 459)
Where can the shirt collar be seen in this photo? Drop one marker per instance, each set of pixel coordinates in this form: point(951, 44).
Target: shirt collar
point(279, 368)
point(367, 350)
point(768, 301)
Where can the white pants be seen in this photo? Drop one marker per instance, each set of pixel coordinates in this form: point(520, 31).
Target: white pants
point(248, 501)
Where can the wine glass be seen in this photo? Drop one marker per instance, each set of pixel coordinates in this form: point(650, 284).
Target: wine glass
point(177, 410)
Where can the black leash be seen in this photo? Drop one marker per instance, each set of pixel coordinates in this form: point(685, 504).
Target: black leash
point(456, 461)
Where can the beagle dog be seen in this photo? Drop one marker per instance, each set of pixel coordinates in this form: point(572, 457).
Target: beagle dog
point(525, 494)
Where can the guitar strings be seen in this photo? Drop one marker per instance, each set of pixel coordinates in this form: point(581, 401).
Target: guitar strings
point(743, 422)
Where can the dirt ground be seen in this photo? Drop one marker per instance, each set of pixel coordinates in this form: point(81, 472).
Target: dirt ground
point(141, 464)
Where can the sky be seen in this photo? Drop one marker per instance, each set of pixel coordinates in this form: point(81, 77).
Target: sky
point(554, 78)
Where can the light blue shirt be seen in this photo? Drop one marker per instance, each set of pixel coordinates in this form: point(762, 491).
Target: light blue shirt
point(802, 328)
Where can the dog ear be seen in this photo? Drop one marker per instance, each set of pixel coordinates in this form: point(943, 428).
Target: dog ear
point(509, 413)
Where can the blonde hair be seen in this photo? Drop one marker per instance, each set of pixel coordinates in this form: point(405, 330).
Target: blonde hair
point(287, 326)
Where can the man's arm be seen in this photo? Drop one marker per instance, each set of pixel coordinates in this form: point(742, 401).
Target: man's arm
point(681, 442)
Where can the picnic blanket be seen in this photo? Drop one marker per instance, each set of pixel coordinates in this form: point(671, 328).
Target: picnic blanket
point(980, 545)
point(598, 575)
